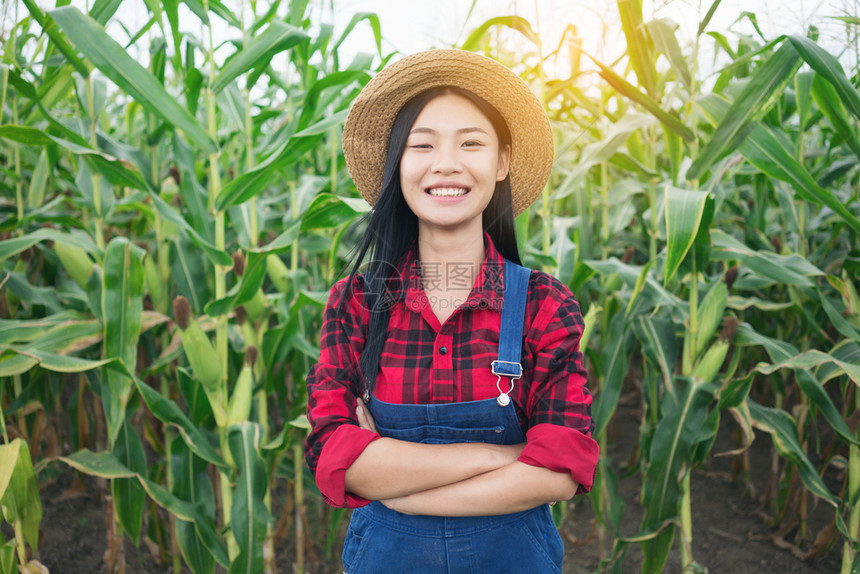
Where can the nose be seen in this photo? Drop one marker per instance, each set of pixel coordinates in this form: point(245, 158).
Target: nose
point(446, 160)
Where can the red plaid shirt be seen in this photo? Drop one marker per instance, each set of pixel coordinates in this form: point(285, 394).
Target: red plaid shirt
point(424, 362)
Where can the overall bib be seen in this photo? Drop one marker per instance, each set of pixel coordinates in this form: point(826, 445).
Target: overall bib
point(381, 540)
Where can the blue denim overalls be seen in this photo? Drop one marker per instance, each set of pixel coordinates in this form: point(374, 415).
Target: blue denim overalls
point(381, 540)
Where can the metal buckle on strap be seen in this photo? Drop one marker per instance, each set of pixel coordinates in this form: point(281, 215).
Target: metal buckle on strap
point(506, 371)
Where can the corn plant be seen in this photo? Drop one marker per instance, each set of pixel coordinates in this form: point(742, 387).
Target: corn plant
point(689, 224)
point(172, 227)
point(145, 257)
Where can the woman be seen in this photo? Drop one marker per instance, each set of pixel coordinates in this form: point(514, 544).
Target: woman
point(449, 404)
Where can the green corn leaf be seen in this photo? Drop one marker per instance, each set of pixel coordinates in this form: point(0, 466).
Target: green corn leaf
point(328, 210)
point(8, 559)
point(27, 330)
point(631, 275)
point(784, 355)
point(323, 125)
point(736, 391)
point(169, 412)
point(662, 31)
point(244, 290)
point(279, 36)
point(657, 337)
point(251, 183)
point(106, 465)
point(191, 483)
point(15, 245)
point(282, 242)
point(49, 348)
point(829, 68)
point(103, 10)
point(199, 409)
point(845, 352)
point(215, 6)
point(249, 516)
point(19, 285)
point(373, 20)
point(742, 416)
point(611, 509)
point(684, 210)
point(803, 96)
point(602, 150)
point(122, 309)
point(128, 495)
point(217, 256)
point(639, 45)
point(783, 431)
point(614, 361)
point(19, 490)
point(788, 269)
point(764, 150)
point(743, 303)
point(119, 172)
point(115, 63)
point(707, 19)
point(189, 274)
point(311, 102)
point(50, 28)
point(840, 323)
point(670, 458)
point(630, 92)
point(517, 23)
point(767, 84)
point(827, 99)
point(16, 362)
point(813, 359)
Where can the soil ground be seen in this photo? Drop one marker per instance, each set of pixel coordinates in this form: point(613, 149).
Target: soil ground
point(730, 534)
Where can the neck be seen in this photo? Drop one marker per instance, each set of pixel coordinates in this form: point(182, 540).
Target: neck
point(451, 249)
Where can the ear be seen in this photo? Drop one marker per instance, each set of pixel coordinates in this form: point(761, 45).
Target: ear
point(504, 163)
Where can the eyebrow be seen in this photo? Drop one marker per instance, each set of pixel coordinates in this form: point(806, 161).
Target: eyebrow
point(460, 131)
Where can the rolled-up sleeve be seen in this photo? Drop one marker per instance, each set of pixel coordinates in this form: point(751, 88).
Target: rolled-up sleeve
point(336, 440)
point(559, 403)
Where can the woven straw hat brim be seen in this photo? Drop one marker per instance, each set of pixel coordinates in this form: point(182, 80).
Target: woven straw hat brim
point(368, 125)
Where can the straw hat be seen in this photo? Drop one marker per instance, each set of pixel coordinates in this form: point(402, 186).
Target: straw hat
point(365, 135)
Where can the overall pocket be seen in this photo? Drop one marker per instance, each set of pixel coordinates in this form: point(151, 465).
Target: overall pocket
point(353, 546)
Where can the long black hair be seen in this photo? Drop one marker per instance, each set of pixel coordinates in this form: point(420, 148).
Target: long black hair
point(392, 227)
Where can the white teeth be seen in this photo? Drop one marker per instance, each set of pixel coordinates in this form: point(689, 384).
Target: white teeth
point(447, 191)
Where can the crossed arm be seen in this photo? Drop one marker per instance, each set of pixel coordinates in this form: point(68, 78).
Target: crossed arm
point(461, 479)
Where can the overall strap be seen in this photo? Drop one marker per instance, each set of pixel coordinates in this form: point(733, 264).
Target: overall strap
point(516, 283)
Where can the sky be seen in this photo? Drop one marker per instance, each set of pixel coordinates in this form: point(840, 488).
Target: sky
point(409, 26)
point(413, 25)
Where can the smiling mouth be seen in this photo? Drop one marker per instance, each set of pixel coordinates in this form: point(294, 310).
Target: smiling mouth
point(446, 191)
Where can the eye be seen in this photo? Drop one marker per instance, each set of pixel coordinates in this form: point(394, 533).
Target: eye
point(473, 143)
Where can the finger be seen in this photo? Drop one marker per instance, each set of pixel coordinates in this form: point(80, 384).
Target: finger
point(367, 418)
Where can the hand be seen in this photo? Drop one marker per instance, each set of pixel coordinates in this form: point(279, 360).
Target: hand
point(365, 419)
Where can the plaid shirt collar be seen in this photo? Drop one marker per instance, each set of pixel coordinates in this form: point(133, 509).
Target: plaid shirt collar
point(487, 289)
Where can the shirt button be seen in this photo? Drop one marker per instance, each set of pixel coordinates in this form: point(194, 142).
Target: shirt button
point(443, 350)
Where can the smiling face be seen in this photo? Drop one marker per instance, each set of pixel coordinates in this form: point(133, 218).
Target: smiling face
point(451, 164)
